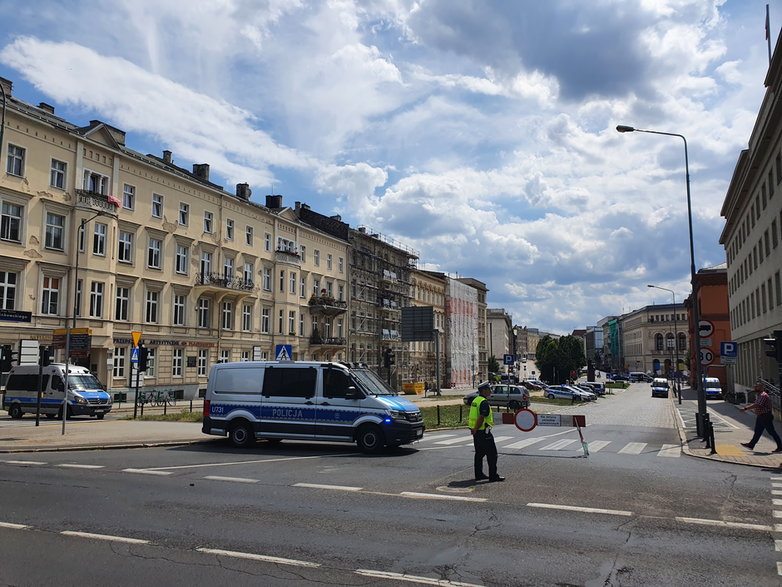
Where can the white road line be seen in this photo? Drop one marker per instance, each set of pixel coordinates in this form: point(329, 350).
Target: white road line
point(416, 495)
point(633, 448)
point(12, 526)
point(230, 463)
point(670, 450)
point(776, 492)
point(559, 444)
point(573, 508)
point(722, 523)
point(436, 437)
point(597, 445)
point(776, 501)
point(452, 440)
point(778, 485)
point(778, 545)
point(503, 438)
point(526, 442)
point(231, 479)
point(776, 477)
point(319, 486)
point(75, 466)
point(259, 557)
point(779, 568)
point(104, 537)
point(776, 514)
point(146, 471)
point(24, 463)
point(412, 578)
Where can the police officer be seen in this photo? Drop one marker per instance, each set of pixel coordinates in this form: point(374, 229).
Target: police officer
point(480, 423)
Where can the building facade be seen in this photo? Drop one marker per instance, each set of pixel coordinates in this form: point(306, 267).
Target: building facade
point(481, 368)
point(429, 290)
point(650, 337)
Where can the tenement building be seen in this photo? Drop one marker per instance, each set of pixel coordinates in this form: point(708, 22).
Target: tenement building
point(107, 241)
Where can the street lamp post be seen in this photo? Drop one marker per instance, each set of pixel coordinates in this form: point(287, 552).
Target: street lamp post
point(695, 306)
point(676, 383)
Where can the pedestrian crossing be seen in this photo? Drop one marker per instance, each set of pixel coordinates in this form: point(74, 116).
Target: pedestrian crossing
point(550, 443)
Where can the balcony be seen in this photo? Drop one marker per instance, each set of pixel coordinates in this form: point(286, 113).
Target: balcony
point(319, 340)
point(327, 306)
point(217, 281)
point(287, 256)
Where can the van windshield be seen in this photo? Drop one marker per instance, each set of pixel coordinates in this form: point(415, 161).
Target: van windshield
point(370, 383)
point(85, 382)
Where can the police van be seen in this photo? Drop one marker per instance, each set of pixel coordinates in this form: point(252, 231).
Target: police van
point(275, 400)
point(712, 387)
point(86, 395)
point(659, 387)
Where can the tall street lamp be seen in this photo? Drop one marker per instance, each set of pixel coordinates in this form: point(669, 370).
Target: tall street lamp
point(695, 306)
point(676, 383)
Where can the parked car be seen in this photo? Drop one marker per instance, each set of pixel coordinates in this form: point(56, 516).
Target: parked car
point(617, 377)
point(636, 376)
point(568, 392)
point(513, 396)
point(537, 382)
point(596, 388)
point(531, 386)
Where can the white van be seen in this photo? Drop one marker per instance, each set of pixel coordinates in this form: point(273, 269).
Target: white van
point(344, 402)
point(712, 387)
point(86, 395)
point(659, 387)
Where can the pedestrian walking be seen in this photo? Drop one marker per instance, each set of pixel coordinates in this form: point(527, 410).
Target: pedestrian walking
point(480, 422)
point(764, 418)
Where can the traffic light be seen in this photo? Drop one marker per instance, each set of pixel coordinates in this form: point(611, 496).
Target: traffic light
point(142, 357)
point(388, 358)
point(774, 346)
point(6, 358)
point(44, 356)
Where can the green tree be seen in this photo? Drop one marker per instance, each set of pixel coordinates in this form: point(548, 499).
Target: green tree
point(494, 367)
point(547, 359)
point(556, 359)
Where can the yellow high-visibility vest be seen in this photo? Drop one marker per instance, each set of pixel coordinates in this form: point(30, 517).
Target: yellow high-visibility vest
point(475, 412)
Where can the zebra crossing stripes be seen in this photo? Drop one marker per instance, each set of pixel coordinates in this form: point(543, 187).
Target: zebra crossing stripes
point(524, 443)
point(670, 450)
point(559, 444)
point(597, 445)
point(632, 448)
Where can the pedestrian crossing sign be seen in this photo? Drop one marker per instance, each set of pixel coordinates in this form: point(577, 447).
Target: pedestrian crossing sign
point(284, 352)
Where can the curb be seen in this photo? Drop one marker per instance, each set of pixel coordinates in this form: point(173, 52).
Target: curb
point(105, 446)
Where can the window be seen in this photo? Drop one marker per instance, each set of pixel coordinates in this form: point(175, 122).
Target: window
point(282, 281)
point(57, 174)
point(96, 299)
point(184, 213)
point(265, 321)
point(289, 382)
point(247, 317)
point(7, 290)
point(151, 362)
point(50, 295)
point(128, 196)
point(77, 309)
point(178, 319)
point(54, 231)
point(227, 316)
point(335, 383)
point(329, 261)
point(248, 235)
point(229, 229)
point(267, 242)
point(292, 322)
point(153, 253)
point(99, 239)
point(245, 357)
point(122, 303)
point(280, 322)
point(286, 245)
point(80, 236)
point(119, 362)
point(292, 282)
point(316, 257)
point(225, 356)
point(208, 218)
point(206, 263)
point(125, 247)
point(301, 324)
point(658, 342)
point(204, 313)
point(248, 273)
point(153, 298)
point(157, 206)
point(96, 183)
point(201, 363)
point(341, 265)
point(11, 222)
point(302, 287)
point(267, 279)
point(15, 165)
point(303, 253)
point(181, 259)
point(341, 292)
point(228, 268)
point(176, 362)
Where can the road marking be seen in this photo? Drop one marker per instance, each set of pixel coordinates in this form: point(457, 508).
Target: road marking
point(104, 537)
point(452, 440)
point(319, 486)
point(724, 524)
point(670, 450)
point(259, 557)
point(776, 514)
point(524, 443)
point(436, 437)
point(776, 477)
point(633, 448)
point(573, 508)
point(778, 545)
point(559, 444)
point(503, 438)
point(230, 463)
point(779, 568)
point(75, 466)
point(412, 578)
point(416, 495)
point(776, 492)
point(24, 463)
point(597, 445)
point(776, 501)
point(12, 526)
point(232, 479)
point(728, 450)
point(146, 471)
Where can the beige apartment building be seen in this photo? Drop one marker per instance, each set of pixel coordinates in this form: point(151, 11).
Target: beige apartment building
point(429, 290)
point(97, 236)
point(650, 338)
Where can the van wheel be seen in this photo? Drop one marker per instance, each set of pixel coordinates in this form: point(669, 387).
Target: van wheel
point(551, 396)
point(15, 411)
point(99, 416)
point(51, 416)
point(59, 413)
point(241, 434)
point(370, 439)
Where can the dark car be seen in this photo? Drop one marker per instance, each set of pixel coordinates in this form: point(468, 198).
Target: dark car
point(512, 396)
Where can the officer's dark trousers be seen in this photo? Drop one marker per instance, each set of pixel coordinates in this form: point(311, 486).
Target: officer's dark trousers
point(485, 447)
point(765, 422)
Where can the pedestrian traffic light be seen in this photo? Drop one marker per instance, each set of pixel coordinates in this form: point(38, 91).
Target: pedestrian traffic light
point(44, 356)
point(142, 357)
point(6, 358)
point(774, 346)
point(388, 358)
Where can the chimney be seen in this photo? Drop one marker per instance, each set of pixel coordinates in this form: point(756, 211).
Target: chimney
point(274, 202)
point(243, 191)
point(201, 171)
point(8, 86)
point(167, 157)
point(337, 217)
point(48, 107)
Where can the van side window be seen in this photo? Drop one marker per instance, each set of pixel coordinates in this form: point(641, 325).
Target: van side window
point(58, 384)
point(289, 382)
point(238, 381)
point(335, 383)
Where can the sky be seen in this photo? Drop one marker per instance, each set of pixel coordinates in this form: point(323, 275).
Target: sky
point(480, 133)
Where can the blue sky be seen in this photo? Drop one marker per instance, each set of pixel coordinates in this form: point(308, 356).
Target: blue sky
point(477, 132)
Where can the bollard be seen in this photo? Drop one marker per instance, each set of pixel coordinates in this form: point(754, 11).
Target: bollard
point(438, 414)
point(698, 424)
point(706, 425)
point(711, 437)
point(460, 413)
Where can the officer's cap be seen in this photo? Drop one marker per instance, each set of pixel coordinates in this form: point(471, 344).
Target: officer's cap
point(484, 385)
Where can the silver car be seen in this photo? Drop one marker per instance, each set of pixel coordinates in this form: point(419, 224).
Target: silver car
point(513, 396)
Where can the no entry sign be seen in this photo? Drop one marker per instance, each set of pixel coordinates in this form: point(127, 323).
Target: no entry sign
point(525, 420)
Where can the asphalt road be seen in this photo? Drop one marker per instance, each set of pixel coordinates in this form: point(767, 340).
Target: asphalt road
point(635, 512)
